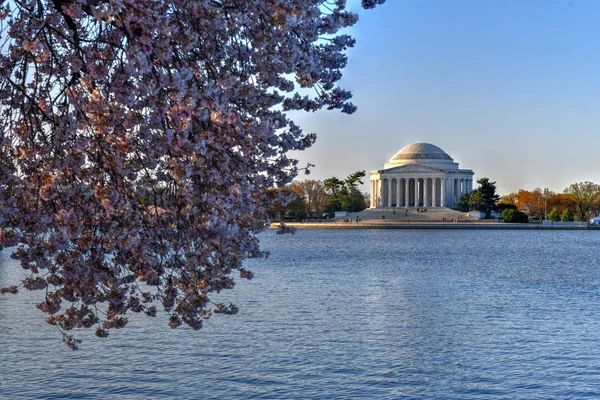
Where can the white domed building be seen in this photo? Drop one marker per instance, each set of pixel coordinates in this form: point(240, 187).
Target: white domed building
point(419, 175)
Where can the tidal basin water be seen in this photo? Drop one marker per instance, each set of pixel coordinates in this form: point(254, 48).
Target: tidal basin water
point(352, 314)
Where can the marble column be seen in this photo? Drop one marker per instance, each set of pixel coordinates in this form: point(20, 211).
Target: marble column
point(433, 193)
point(406, 192)
point(432, 180)
point(398, 192)
point(373, 195)
point(457, 192)
point(454, 191)
point(417, 192)
point(443, 192)
point(425, 192)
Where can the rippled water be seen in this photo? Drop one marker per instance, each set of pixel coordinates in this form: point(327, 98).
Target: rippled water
point(349, 314)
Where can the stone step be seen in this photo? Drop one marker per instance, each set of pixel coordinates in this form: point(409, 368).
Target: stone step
point(432, 214)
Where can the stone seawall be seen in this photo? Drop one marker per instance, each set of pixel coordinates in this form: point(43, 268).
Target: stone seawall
point(431, 225)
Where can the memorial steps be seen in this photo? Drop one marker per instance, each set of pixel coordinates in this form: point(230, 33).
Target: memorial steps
point(433, 214)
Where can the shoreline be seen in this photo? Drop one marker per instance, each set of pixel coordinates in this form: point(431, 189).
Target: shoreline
point(431, 225)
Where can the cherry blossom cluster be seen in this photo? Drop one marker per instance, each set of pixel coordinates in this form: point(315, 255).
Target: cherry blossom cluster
point(139, 139)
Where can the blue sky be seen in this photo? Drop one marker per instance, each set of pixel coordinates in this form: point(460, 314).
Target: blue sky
point(508, 88)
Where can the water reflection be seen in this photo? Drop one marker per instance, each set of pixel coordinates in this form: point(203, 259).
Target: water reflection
point(350, 314)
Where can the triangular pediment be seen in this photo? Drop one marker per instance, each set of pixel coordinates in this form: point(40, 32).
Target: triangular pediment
point(412, 168)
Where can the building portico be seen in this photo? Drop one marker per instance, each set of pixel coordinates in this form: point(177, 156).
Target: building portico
point(420, 175)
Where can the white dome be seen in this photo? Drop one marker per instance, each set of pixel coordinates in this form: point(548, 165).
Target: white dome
point(421, 151)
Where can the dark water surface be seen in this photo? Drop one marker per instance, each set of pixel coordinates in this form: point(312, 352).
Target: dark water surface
point(363, 314)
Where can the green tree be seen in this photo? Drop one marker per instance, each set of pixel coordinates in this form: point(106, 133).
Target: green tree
point(489, 197)
point(463, 202)
point(567, 215)
point(584, 195)
point(513, 215)
point(554, 215)
point(344, 195)
point(354, 179)
point(334, 189)
point(475, 201)
point(353, 199)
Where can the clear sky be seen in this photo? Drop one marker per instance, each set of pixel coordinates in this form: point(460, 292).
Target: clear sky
point(509, 89)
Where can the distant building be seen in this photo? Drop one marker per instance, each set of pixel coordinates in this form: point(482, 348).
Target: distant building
point(420, 175)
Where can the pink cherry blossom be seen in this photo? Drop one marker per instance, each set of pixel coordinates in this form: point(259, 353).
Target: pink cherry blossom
point(139, 141)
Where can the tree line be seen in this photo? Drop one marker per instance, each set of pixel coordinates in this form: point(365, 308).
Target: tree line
point(578, 202)
point(315, 199)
